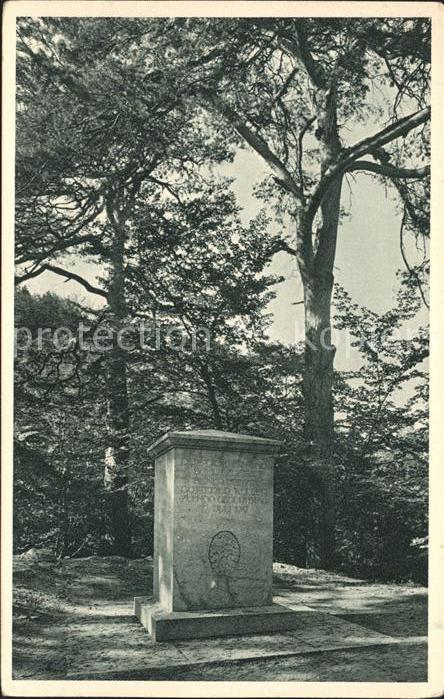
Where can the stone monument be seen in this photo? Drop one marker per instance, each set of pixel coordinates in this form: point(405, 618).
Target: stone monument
point(213, 538)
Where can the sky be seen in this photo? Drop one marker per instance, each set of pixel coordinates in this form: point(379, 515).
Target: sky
point(367, 258)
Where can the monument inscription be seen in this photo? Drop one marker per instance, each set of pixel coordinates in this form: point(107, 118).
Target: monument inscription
point(233, 495)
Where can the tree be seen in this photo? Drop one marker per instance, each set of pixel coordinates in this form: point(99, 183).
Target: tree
point(289, 88)
point(194, 257)
point(84, 151)
point(384, 438)
point(58, 431)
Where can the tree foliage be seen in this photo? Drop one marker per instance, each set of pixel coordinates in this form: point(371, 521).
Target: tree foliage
point(121, 125)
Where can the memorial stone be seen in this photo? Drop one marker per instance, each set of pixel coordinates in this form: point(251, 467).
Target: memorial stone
point(213, 537)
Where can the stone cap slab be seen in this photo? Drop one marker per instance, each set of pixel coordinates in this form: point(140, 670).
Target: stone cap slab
point(213, 439)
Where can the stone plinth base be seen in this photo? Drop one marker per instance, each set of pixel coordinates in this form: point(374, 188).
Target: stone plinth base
point(168, 626)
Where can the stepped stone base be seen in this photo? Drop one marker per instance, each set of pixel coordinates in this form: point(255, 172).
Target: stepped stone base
point(168, 626)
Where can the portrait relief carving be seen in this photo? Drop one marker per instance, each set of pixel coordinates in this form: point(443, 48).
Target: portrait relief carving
point(224, 553)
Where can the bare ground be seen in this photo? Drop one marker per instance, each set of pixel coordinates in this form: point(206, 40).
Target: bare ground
point(73, 620)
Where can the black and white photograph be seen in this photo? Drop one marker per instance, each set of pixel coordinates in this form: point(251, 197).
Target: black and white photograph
point(216, 456)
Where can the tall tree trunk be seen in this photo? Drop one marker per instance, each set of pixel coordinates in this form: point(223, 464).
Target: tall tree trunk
point(318, 399)
point(316, 255)
point(318, 365)
point(317, 278)
point(117, 452)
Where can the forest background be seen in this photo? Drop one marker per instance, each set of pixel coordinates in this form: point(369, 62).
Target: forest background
point(161, 235)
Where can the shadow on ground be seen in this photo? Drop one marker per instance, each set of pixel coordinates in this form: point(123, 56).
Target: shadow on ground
point(74, 620)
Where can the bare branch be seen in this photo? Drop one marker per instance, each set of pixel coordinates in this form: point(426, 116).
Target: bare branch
point(350, 155)
point(77, 278)
point(19, 279)
point(283, 177)
point(388, 170)
point(400, 128)
point(281, 92)
point(64, 273)
point(166, 186)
